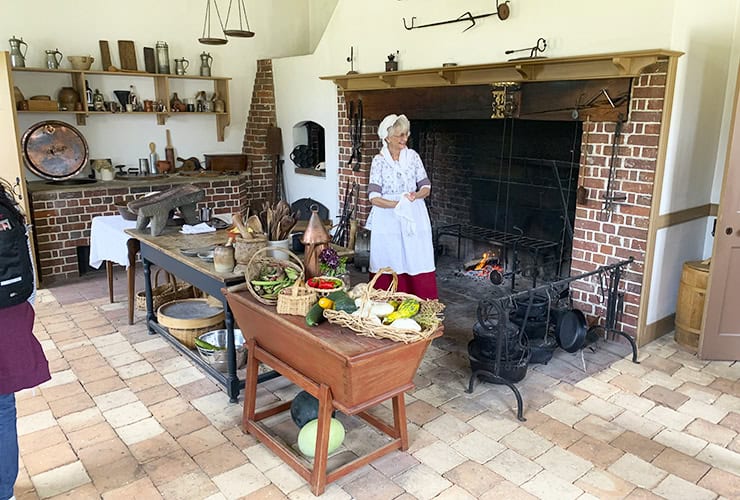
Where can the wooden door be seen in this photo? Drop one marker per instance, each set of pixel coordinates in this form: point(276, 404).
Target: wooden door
point(721, 324)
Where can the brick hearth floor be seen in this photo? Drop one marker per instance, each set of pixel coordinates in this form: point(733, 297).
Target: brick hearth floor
point(125, 416)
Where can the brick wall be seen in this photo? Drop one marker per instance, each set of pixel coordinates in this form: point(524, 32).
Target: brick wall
point(261, 116)
point(62, 218)
point(601, 238)
point(370, 147)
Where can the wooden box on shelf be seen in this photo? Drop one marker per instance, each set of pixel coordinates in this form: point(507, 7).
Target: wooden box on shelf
point(42, 105)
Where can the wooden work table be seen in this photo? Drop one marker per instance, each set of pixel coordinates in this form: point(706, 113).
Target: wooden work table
point(343, 370)
point(164, 251)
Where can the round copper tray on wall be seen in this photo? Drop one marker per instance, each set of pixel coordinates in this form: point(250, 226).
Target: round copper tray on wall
point(54, 150)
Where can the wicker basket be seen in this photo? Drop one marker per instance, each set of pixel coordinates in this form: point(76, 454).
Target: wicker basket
point(200, 318)
point(429, 314)
point(244, 250)
point(166, 292)
point(296, 300)
point(259, 260)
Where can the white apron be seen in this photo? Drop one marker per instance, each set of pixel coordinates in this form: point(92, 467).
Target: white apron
point(391, 246)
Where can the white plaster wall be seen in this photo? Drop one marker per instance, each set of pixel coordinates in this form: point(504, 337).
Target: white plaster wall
point(75, 26)
point(571, 27)
point(319, 13)
point(673, 246)
point(701, 89)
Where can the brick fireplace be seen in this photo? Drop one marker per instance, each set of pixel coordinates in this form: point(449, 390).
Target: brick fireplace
point(599, 238)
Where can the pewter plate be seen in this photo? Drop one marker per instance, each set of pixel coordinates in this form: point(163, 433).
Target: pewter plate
point(206, 256)
point(193, 252)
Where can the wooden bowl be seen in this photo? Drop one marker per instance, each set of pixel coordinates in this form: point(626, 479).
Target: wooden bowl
point(81, 62)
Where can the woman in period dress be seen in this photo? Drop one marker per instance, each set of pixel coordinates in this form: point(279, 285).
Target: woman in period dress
point(401, 234)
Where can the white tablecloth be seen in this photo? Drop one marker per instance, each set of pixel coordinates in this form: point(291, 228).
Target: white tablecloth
point(108, 241)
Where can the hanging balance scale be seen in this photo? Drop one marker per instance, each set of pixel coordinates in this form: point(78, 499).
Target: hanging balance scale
point(207, 39)
point(240, 32)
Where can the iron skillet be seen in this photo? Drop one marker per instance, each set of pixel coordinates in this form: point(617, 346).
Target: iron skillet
point(571, 330)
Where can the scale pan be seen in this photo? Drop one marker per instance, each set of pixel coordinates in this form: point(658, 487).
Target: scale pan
point(213, 41)
point(239, 33)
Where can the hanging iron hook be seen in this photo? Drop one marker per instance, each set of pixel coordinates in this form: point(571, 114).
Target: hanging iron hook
point(467, 16)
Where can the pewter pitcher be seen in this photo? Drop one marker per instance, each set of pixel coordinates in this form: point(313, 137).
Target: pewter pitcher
point(17, 58)
point(52, 61)
point(206, 60)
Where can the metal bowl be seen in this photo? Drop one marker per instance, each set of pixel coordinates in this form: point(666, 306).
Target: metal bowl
point(218, 359)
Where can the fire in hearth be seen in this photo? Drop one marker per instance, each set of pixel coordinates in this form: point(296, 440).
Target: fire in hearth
point(482, 268)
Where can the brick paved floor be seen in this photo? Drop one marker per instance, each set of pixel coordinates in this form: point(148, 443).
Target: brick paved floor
point(125, 416)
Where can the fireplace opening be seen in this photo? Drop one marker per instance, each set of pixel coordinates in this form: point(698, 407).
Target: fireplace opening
point(509, 184)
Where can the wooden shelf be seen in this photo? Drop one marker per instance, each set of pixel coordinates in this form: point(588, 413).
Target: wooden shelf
point(161, 92)
point(600, 66)
point(310, 171)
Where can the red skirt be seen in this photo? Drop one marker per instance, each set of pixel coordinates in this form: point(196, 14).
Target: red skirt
point(422, 285)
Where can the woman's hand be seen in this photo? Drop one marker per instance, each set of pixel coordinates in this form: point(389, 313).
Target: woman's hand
point(410, 196)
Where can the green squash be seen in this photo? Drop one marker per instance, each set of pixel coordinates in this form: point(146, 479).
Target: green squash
point(307, 437)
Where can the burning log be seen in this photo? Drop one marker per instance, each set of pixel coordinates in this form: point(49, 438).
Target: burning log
point(488, 259)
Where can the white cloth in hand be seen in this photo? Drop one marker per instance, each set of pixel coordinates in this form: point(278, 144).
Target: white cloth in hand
point(405, 215)
point(197, 229)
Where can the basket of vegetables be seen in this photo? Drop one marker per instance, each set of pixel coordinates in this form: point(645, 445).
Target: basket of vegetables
point(389, 314)
point(324, 285)
point(267, 276)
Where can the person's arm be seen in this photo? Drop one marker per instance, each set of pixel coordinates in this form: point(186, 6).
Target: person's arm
point(377, 201)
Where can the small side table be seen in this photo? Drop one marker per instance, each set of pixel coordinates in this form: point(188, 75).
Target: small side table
point(107, 243)
point(342, 370)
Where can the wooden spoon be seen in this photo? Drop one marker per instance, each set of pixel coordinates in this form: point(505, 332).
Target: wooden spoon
point(284, 226)
point(253, 223)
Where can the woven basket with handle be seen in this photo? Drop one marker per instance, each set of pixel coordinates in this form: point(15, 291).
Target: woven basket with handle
point(261, 259)
point(296, 300)
point(429, 315)
point(166, 292)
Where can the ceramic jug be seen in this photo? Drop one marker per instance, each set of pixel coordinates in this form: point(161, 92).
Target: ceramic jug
point(17, 58)
point(181, 65)
point(52, 61)
point(206, 60)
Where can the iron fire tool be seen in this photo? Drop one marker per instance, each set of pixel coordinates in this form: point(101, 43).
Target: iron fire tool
point(492, 315)
point(355, 132)
point(540, 46)
point(609, 197)
point(502, 11)
point(341, 235)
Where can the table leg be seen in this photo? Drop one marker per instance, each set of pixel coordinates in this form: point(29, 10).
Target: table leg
point(148, 290)
point(399, 420)
point(250, 388)
point(232, 381)
point(318, 474)
point(133, 247)
point(109, 273)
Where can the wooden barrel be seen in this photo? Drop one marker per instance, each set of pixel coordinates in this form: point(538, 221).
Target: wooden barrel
point(690, 305)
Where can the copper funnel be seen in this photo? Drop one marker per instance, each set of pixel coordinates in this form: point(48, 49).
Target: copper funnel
point(315, 232)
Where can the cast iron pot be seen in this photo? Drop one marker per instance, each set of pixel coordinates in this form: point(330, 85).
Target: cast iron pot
point(513, 371)
point(571, 330)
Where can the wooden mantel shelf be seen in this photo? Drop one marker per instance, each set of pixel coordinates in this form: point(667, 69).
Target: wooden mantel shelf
point(600, 66)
